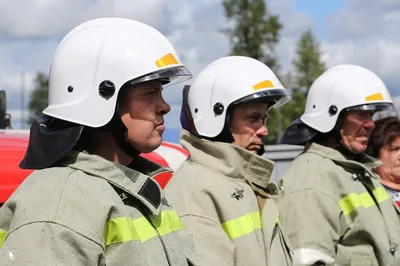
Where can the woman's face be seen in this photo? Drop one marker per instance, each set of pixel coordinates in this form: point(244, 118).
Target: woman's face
point(390, 156)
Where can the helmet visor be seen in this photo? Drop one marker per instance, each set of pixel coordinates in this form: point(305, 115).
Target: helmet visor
point(277, 97)
point(168, 77)
point(385, 114)
point(372, 107)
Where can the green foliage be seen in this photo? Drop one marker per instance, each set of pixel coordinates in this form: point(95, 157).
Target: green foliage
point(308, 65)
point(288, 113)
point(254, 31)
point(39, 97)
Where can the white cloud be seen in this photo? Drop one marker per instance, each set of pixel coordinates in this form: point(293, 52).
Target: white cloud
point(294, 24)
point(366, 32)
point(44, 18)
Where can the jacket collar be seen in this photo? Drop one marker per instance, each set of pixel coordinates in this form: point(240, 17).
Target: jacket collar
point(359, 162)
point(136, 180)
point(228, 159)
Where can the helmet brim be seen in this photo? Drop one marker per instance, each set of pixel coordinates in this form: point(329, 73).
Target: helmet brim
point(168, 77)
point(277, 97)
point(372, 107)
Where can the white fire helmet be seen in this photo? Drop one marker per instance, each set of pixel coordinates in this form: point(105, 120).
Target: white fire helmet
point(226, 82)
point(95, 59)
point(341, 88)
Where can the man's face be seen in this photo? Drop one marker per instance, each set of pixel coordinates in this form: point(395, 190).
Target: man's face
point(248, 125)
point(356, 130)
point(390, 156)
point(142, 110)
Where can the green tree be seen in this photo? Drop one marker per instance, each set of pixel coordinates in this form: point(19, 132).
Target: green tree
point(307, 64)
point(254, 31)
point(286, 114)
point(39, 97)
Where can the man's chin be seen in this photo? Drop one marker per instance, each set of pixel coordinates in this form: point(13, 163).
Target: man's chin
point(253, 148)
point(359, 148)
point(150, 146)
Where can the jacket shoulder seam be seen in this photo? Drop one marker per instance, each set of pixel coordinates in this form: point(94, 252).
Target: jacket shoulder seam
point(62, 193)
point(200, 216)
point(57, 224)
point(315, 189)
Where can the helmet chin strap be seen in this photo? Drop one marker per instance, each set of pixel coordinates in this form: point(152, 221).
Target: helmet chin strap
point(119, 130)
point(261, 151)
point(334, 134)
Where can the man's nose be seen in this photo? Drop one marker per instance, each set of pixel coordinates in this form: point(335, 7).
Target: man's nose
point(262, 131)
point(369, 123)
point(164, 108)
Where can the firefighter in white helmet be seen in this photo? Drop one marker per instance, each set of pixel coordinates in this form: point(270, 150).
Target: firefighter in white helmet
point(92, 199)
point(222, 191)
point(334, 209)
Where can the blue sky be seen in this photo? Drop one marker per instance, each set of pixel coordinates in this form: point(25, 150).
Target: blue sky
point(319, 10)
point(363, 32)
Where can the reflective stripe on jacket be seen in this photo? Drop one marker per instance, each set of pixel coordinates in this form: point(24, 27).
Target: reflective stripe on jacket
point(89, 211)
point(218, 192)
point(335, 211)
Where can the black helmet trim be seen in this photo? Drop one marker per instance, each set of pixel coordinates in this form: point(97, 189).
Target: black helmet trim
point(119, 130)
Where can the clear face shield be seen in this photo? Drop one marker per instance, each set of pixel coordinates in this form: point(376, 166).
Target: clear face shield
point(372, 107)
point(274, 97)
point(381, 109)
point(168, 77)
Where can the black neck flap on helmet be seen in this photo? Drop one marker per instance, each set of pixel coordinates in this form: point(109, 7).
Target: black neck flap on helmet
point(297, 133)
point(50, 139)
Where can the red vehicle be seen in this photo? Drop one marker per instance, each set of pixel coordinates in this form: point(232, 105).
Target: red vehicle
point(13, 144)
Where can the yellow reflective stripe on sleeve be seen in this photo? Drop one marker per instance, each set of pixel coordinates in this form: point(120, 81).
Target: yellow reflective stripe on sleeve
point(121, 229)
point(3, 235)
point(380, 194)
point(354, 200)
point(276, 219)
point(243, 225)
point(167, 222)
point(144, 228)
point(124, 229)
